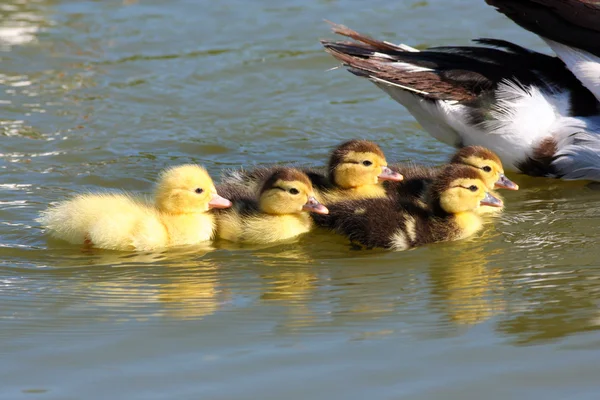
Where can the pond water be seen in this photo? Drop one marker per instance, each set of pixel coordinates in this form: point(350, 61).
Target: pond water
point(104, 94)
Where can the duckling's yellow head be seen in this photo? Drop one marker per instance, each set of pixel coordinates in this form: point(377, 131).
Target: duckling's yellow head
point(187, 189)
point(289, 191)
point(489, 165)
point(358, 163)
point(459, 188)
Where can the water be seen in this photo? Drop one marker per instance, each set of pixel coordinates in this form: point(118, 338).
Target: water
point(103, 94)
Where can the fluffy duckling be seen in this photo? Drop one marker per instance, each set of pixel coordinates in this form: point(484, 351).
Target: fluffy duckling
point(417, 178)
point(453, 197)
point(119, 221)
point(279, 212)
point(356, 170)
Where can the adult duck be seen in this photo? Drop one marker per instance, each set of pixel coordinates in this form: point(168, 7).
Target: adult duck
point(540, 114)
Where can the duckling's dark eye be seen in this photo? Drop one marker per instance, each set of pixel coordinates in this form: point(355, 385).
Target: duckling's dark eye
point(294, 191)
point(198, 190)
point(473, 188)
point(367, 163)
point(487, 168)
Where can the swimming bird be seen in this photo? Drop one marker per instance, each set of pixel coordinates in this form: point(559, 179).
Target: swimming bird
point(453, 199)
point(417, 178)
point(120, 221)
point(356, 169)
point(539, 113)
point(279, 212)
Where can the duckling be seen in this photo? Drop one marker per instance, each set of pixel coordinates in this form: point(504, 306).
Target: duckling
point(279, 212)
point(119, 221)
point(453, 197)
point(417, 177)
point(356, 170)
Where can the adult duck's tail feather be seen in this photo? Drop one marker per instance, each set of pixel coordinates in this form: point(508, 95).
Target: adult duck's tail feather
point(374, 44)
point(432, 75)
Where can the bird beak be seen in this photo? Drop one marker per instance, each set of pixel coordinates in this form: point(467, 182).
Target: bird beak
point(505, 183)
point(491, 201)
point(313, 205)
point(219, 202)
point(388, 175)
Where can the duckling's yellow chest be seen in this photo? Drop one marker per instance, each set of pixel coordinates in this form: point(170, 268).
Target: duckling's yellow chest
point(189, 228)
point(262, 229)
point(361, 192)
point(468, 224)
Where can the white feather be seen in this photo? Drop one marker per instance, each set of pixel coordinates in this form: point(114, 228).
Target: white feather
point(403, 47)
point(399, 241)
point(385, 83)
point(431, 115)
point(381, 55)
point(406, 67)
point(521, 118)
point(578, 141)
point(585, 66)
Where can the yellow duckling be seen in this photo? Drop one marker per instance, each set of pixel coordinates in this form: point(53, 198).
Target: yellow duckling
point(279, 212)
point(356, 170)
point(114, 221)
point(417, 177)
point(453, 197)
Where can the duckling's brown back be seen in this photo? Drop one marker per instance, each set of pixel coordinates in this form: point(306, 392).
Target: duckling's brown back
point(245, 200)
point(413, 187)
point(379, 222)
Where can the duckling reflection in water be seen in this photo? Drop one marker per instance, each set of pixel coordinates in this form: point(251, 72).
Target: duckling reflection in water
point(183, 288)
point(356, 169)
point(417, 178)
point(279, 213)
point(463, 284)
point(453, 199)
point(179, 216)
point(194, 292)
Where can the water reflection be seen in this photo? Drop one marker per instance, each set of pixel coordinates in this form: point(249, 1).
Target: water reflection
point(552, 301)
point(20, 21)
point(464, 286)
point(103, 95)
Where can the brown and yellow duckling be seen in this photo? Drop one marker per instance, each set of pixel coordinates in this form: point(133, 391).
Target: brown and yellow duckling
point(453, 199)
point(120, 221)
point(356, 170)
point(280, 211)
point(417, 178)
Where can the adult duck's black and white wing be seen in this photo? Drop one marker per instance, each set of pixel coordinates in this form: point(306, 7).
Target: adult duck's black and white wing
point(570, 27)
point(498, 95)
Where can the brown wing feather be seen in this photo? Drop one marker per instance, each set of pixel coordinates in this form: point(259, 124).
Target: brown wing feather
point(429, 85)
point(575, 23)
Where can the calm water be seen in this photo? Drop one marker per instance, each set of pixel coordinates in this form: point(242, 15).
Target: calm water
point(103, 94)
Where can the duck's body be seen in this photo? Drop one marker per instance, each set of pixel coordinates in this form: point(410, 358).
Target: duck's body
point(540, 114)
point(357, 169)
point(384, 223)
point(255, 228)
point(453, 198)
point(120, 221)
point(276, 214)
point(418, 178)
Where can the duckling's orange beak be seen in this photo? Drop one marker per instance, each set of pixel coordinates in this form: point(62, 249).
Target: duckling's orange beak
point(491, 201)
point(313, 205)
point(505, 183)
point(219, 202)
point(388, 175)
